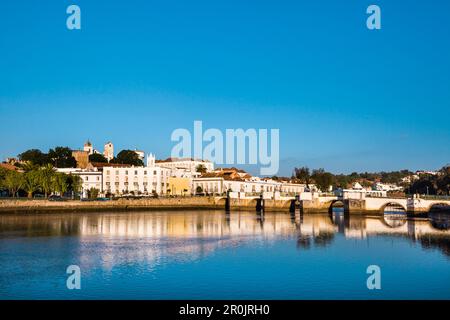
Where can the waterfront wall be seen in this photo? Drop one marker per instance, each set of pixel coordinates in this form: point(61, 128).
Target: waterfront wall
point(319, 204)
point(120, 204)
point(30, 206)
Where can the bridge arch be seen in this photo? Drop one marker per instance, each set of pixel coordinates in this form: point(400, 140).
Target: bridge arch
point(336, 204)
point(392, 204)
point(438, 206)
point(220, 201)
point(394, 218)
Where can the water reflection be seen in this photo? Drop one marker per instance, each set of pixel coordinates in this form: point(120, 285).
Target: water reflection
point(394, 219)
point(202, 231)
point(394, 215)
point(440, 220)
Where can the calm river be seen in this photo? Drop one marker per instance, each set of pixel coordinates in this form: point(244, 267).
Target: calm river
point(211, 255)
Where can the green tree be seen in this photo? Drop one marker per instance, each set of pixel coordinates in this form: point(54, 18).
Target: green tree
point(93, 193)
point(2, 178)
point(31, 182)
point(97, 157)
point(74, 183)
point(46, 174)
point(303, 175)
point(129, 157)
point(200, 168)
point(13, 181)
point(34, 156)
point(322, 179)
point(60, 183)
point(443, 181)
point(61, 157)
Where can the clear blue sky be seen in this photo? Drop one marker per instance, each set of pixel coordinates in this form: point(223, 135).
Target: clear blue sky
point(344, 98)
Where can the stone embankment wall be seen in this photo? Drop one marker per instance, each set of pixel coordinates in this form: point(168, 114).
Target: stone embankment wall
point(120, 204)
point(29, 206)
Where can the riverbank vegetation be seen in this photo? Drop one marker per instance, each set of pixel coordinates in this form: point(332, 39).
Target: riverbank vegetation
point(433, 184)
point(33, 179)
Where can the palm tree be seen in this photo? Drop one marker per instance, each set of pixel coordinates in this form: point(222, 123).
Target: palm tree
point(29, 166)
point(201, 168)
point(75, 183)
point(59, 183)
point(31, 182)
point(46, 174)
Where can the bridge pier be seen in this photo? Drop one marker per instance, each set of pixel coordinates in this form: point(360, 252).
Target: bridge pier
point(227, 202)
point(296, 206)
point(260, 205)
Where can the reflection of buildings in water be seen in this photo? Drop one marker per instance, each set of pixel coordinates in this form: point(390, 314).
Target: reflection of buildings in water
point(154, 236)
point(179, 236)
point(176, 225)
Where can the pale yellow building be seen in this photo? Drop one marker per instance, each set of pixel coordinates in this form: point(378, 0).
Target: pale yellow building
point(179, 186)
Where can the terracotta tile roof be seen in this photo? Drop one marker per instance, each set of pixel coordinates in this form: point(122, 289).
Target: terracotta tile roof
point(8, 166)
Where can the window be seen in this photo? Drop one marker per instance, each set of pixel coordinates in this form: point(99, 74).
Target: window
point(117, 172)
point(98, 178)
point(135, 172)
point(145, 172)
point(86, 178)
point(126, 171)
point(107, 172)
point(154, 172)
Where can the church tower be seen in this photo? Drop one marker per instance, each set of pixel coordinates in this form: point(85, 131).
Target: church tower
point(88, 147)
point(109, 151)
point(151, 160)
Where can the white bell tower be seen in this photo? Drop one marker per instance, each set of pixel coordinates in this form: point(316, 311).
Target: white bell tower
point(150, 160)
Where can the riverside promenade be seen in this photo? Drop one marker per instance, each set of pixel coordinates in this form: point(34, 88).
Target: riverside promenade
point(319, 204)
point(162, 203)
point(34, 206)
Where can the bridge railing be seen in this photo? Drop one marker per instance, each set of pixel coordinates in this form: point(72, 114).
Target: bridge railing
point(434, 197)
point(387, 196)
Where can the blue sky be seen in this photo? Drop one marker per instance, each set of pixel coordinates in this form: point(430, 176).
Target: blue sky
point(344, 98)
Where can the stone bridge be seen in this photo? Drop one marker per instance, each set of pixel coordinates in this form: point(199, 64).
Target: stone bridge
point(309, 202)
point(413, 205)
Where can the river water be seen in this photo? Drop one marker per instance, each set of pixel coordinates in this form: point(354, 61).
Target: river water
point(212, 255)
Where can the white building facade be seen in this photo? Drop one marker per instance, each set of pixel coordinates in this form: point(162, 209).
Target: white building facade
point(91, 179)
point(219, 185)
point(135, 180)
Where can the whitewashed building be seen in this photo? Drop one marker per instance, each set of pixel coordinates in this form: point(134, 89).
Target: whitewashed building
point(220, 185)
point(91, 178)
point(135, 180)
